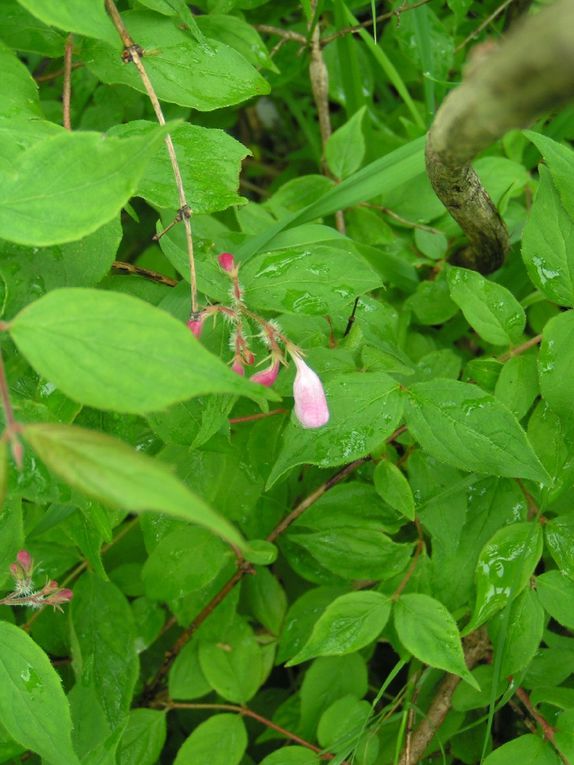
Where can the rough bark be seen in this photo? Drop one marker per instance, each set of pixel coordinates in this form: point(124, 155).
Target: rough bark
point(506, 86)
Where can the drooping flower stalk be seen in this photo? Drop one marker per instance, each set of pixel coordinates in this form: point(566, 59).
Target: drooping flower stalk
point(25, 593)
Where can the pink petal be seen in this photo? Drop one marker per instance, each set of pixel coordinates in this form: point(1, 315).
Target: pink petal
point(268, 376)
point(311, 407)
point(226, 261)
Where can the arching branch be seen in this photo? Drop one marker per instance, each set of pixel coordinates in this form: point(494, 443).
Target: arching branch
point(505, 87)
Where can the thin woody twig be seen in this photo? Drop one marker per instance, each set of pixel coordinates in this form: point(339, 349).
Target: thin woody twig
point(58, 73)
point(134, 54)
point(521, 348)
point(285, 34)
point(67, 89)
point(246, 712)
point(548, 731)
point(129, 268)
point(482, 26)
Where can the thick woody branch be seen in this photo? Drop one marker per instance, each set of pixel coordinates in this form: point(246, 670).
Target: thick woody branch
point(476, 648)
point(505, 88)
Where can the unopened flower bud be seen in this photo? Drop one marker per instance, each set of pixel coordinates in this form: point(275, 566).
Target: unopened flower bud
point(195, 323)
point(226, 261)
point(310, 403)
point(24, 559)
point(237, 367)
point(268, 376)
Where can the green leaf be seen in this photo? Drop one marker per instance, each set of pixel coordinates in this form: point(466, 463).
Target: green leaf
point(365, 410)
point(349, 623)
point(111, 472)
point(3, 471)
point(345, 149)
point(427, 629)
point(209, 160)
point(460, 424)
point(342, 724)
point(238, 34)
point(560, 161)
point(233, 665)
point(84, 17)
point(527, 750)
point(518, 634)
point(559, 535)
point(23, 32)
point(555, 364)
point(221, 740)
point(489, 308)
point(292, 755)
point(33, 707)
point(182, 71)
point(556, 593)
point(119, 353)
point(319, 279)
point(328, 679)
point(394, 488)
point(504, 568)
point(103, 645)
point(19, 96)
point(171, 573)
point(517, 384)
point(261, 552)
point(186, 680)
point(265, 599)
point(143, 738)
point(40, 201)
point(431, 302)
point(548, 244)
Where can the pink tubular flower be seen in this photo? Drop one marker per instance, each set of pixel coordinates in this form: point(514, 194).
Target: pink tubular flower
point(310, 403)
point(267, 376)
point(195, 323)
point(226, 261)
point(238, 367)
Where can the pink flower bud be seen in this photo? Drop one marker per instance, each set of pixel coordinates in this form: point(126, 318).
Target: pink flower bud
point(237, 367)
point(226, 261)
point(268, 376)
point(24, 558)
point(15, 570)
point(195, 326)
point(310, 403)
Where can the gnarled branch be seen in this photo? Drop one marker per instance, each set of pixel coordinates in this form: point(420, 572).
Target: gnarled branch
point(505, 87)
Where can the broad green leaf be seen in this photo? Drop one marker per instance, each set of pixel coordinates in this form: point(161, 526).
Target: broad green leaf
point(504, 568)
point(460, 424)
point(365, 410)
point(177, 8)
point(23, 32)
point(432, 303)
point(555, 364)
point(221, 740)
point(328, 679)
point(559, 159)
point(548, 244)
point(556, 593)
point(261, 552)
point(265, 599)
point(19, 96)
point(490, 309)
point(203, 76)
point(527, 750)
point(301, 618)
point(118, 353)
point(68, 186)
point(143, 739)
point(103, 645)
point(345, 149)
point(341, 725)
point(349, 623)
point(559, 536)
point(113, 473)
point(33, 707)
point(84, 17)
point(233, 665)
point(517, 384)
point(291, 755)
point(186, 680)
point(319, 279)
point(209, 161)
point(394, 488)
point(30, 272)
point(238, 34)
point(518, 635)
point(564, 735)
point(171, 573)
point(427, 629)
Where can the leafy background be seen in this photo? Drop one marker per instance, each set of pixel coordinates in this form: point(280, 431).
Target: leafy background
point(244, 590)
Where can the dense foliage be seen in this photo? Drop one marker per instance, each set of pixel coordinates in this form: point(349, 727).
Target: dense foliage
point(364, 555)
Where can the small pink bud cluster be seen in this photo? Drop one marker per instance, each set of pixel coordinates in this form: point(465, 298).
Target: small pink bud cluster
point(311, 407)
point(25, 594)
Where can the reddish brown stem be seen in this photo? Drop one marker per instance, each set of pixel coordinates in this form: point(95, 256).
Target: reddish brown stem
point(548, 731)
point(246, 712)
point(521, 348)
point(259, 416)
